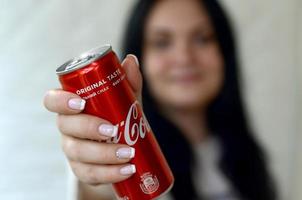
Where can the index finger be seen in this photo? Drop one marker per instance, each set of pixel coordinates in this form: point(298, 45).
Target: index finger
point(63, 102)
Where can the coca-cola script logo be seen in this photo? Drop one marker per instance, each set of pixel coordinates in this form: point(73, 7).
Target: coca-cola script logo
point(136, 126)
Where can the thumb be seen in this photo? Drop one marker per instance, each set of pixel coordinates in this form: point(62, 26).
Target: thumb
point(131, 66)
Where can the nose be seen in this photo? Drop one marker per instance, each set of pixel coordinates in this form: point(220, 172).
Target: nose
point(182, 55)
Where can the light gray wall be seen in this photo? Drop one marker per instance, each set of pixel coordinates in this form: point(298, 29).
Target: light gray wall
point(268, 41)
point(297, 169)
point(37, 36)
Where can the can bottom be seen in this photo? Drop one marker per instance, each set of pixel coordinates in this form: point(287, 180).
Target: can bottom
point(155, 198)
point(165, 192)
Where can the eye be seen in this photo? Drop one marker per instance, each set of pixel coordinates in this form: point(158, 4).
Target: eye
point(204, 39)
point(199, 39)
point(160, 43)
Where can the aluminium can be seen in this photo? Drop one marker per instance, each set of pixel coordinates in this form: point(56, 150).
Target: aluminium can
point(97, 77)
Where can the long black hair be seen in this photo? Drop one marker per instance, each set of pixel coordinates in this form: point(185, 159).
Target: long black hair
point(243, 161)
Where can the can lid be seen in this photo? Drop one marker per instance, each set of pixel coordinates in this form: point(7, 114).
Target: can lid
point(84, 59)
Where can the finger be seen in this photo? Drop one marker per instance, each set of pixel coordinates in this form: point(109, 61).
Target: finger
point(86, 127)
point(131, 67)
point(102, 174)
point(63, 102)
point(87, 151)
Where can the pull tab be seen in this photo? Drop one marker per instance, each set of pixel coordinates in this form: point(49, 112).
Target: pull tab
point(80, 61)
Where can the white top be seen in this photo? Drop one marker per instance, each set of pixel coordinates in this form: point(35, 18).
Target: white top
point(209, 181)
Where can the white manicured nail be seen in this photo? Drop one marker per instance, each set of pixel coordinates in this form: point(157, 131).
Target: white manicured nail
point(125, 152)
point(127, 170)
point(76, 103)
point(108, 130)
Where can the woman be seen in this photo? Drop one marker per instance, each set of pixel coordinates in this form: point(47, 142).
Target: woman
point(191, 98)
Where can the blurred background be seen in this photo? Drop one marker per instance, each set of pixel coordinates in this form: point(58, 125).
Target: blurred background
point(37, 36)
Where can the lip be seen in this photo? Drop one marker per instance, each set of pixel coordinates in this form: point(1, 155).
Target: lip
point(188, 78)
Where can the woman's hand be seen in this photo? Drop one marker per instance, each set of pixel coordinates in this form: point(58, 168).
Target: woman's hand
point(92, 161)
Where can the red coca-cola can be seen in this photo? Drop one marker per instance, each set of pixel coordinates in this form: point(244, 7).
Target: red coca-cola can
point(97, 76)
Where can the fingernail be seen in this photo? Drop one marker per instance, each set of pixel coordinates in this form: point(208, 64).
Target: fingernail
point(76, 103)
point(135, 58)
point(129, 169)
point(125, 152)
point(108, 130)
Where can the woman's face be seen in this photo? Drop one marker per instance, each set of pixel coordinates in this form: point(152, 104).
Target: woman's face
point(183, 65)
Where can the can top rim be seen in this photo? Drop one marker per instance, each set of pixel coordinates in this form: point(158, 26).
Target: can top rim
point(84, 59)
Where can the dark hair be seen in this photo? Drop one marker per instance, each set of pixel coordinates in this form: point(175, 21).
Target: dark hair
point(243, 161)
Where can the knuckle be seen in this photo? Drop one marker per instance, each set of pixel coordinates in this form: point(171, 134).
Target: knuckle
point(72, 149)
point(107, 156)
point(102, 155)
point(63, 141)
point(84, 174)
point(75, 168)
point(91, 176)
point(60, 123)
point(90, 124)
point(107, 176)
